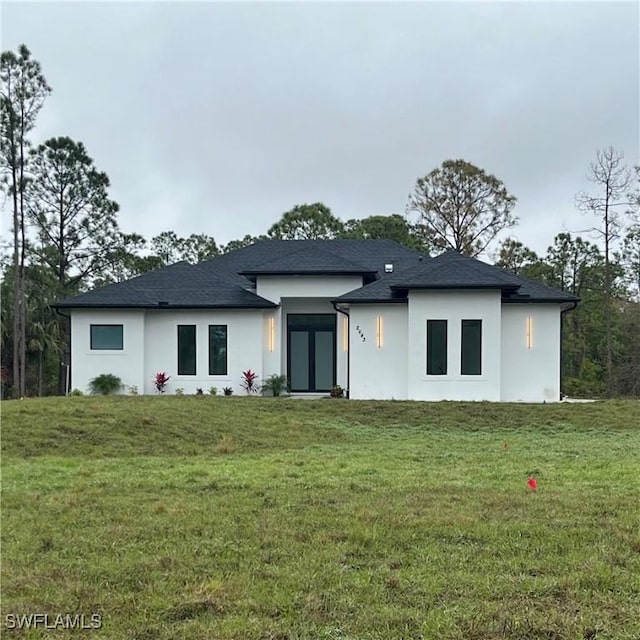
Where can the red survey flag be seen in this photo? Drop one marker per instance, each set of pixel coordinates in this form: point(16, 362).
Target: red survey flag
point(533, 483)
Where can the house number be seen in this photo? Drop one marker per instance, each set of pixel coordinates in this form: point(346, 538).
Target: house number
point(360, 333)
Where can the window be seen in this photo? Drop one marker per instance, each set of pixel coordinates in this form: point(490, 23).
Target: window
point(106, 336)
point(471, 361)
point(217, 349)
point(437, 347)
point(186, 349)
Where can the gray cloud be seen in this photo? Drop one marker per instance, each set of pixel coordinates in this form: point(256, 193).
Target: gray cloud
point(217, 118)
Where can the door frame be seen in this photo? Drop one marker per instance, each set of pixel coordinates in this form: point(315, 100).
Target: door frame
point(312, 350)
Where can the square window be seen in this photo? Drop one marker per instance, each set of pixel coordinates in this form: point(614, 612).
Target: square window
point(106, 337)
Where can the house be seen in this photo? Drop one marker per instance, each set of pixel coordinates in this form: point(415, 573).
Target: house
point(372, 316)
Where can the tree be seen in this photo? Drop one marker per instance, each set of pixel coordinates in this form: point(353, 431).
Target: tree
point(613, 180)
point(125, 261)
point(461, 207)
point(307, 222)
point(393, 227)
point(515, 257)
point(24, 90)
point(198, 247)
point(74, 218)
point(243, 242)
point(169, 248)
point(77, 234)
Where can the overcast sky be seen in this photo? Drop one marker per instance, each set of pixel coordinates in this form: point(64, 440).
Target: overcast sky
point(218, 117)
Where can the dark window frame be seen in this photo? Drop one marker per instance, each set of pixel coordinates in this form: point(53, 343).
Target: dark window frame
point(433, 323)
point(213, 327)
point(92, 347)
point(312, 328)
point(181, 370)
point(476, 357)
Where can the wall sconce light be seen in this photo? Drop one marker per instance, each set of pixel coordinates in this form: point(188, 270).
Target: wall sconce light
point(272, 334)
point(379, 332)
point(529, 332)
point(345, 334)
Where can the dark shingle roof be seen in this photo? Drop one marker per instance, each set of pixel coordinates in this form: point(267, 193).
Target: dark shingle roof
point(369, 255)
point(179, 285)
point(452, 270)
point(219, 283)
point(309, 261)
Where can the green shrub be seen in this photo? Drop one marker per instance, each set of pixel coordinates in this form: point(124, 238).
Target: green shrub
point(105, 384)
point(133, 390)
point(76, 392)
point(275, 384)
point(179, 391)
point(213, 391)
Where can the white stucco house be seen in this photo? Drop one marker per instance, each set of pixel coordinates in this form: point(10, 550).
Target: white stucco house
point(372, 316)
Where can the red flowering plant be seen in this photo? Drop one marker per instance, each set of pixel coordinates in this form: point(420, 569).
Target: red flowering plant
point(161, 381)
point(249, 381)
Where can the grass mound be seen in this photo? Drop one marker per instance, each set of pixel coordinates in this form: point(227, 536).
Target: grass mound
point(259, 518)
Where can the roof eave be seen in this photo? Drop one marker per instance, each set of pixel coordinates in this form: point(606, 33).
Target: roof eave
point(314, 272)
point(440, 287)
point(265, 305)
point(559, 300)
point(370, 300)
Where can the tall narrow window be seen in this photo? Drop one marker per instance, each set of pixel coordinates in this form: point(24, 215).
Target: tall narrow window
point(217, 349)
point(471, 350)
point(186, 349)
point(436, 347)
point(106, 337)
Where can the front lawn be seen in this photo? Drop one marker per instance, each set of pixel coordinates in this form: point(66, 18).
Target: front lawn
point(278, 519)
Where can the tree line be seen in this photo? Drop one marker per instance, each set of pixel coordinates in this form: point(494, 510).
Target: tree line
point(66, 239)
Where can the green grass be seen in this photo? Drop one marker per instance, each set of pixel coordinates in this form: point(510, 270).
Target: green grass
point(276, 519)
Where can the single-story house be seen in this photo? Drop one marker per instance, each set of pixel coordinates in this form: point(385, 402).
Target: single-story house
point(371, 316)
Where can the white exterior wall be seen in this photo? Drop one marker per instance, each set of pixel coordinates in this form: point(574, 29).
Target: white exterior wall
point(378, 372)
point(245, 334)
point(127, 364)
point(530, 374)
point(275, 288)
point(454, 306)
point(304, 294)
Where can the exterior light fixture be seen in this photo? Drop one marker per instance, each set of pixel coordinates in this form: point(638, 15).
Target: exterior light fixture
point(379, 332)
point(529, 332)
point(272, 334)
point(345, 334)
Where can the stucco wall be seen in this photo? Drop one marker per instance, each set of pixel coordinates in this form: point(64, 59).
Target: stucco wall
point(454, 306)
point(530, 374)
point(276, 287)
point(378, 372)
point(245, 334)
point(127, 364)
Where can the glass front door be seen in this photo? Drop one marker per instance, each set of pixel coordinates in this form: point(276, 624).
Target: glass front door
point(311, 351)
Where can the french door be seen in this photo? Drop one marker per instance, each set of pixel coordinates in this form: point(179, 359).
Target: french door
point(311, 351)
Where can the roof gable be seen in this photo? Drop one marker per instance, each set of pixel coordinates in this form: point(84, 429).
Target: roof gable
point(219, 283)
point(308, 260)
point(452, 270)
